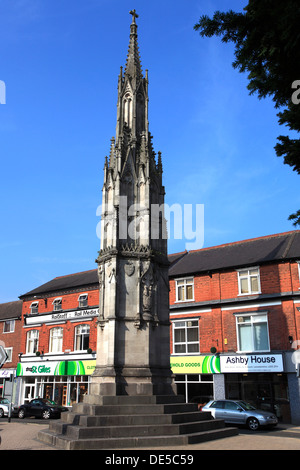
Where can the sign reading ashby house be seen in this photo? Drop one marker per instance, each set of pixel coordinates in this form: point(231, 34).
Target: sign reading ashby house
point(251, 363)
point(61, 316)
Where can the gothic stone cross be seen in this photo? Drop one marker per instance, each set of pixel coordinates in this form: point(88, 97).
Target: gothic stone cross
point(134, 15)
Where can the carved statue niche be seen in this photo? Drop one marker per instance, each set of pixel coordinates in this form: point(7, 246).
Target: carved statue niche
point(147, 290)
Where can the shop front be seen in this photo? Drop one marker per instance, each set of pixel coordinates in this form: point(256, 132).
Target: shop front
point(195, 377)
point(65, 382)
point(258, 379)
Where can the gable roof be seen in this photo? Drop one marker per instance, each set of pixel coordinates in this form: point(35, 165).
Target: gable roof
point(71, 281)
point(251, 252)
point(245, 253)
point(10, 310)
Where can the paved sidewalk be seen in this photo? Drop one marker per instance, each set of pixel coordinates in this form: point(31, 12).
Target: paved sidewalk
point(20, 435)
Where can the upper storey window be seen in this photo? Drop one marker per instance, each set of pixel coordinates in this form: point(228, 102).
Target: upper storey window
point(83, 300)
point(249, 281)
point(184, 289)
point(57, 304)
point(34, 307)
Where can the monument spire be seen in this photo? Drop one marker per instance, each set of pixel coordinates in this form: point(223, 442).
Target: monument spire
point(133, 344)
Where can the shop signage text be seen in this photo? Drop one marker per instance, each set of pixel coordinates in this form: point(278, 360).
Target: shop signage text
point(56, 368)
point(61, 316)
point(252, 363)
point(195, 364)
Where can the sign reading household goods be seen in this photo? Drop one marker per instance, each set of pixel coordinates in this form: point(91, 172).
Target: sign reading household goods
point(195, 364)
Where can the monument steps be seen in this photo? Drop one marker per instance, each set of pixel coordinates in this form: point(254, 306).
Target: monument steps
point(121, 423)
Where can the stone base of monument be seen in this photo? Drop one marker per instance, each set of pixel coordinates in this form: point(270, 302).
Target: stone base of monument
point(132, 422)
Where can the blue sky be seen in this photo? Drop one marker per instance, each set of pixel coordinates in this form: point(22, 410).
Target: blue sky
point(60, 60)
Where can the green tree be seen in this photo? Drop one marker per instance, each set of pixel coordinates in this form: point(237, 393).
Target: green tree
point(267, 47)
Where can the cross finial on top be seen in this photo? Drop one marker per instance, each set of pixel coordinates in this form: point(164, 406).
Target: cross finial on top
point(134, 15)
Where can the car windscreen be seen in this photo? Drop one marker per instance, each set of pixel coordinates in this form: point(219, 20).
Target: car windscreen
point(246, 405)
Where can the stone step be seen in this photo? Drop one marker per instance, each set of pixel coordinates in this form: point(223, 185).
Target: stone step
point(132, 420)
point(134, 442)
point(81, 432)
point(131, 399)
point(130, 409)
point(60, 426)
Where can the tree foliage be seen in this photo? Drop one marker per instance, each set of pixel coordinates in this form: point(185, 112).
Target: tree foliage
point(267, 47)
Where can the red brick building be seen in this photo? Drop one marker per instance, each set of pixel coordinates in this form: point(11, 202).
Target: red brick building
point(234, 310)
point(58, 341)
point(10, 339)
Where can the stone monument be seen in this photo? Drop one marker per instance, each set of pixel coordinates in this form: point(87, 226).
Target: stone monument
point(133, 342)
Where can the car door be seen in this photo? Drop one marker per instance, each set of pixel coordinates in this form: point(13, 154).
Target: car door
point(217, 409)
point(35, 408)
point(233, 413)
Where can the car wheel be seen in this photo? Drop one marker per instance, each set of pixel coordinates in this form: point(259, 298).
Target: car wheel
point(46, 414)
point(21, 414)
point(1, 412)
point(253, 424)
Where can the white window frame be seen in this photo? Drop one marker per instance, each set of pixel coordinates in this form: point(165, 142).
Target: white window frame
point(83, 298)
point(299, 271)
point(80, 331)
point(186, 343)
point(248, 277)
point(8, 326)
point(32, 341)
point(57, 302)
point(186, 283)
point(253, 322)
point(56, 340)
point(34, 307)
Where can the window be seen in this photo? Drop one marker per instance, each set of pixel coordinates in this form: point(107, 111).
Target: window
point(299, 268)
point(249, 281)
point(34, 307)
point(186, 337)
point(83, 300)
point(184, 289)
point(32, 341)
point(9, 326)
point(82, 337)
point(56, 340)
point(252, 332)
point(57, 304)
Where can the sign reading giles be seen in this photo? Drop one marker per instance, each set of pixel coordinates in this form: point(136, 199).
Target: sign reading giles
point(252, 363)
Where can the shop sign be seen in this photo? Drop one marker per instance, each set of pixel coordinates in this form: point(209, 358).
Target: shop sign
point(251, 363)
point(61, 316)
point(195, 364)
point(6, 373)
point(35, 369)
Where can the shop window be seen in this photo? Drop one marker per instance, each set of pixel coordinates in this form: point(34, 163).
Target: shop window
point(186, 337)
point(82, 337)
point(9, 326)
point(32, 341)
point(252, 332)
point(184, 289)
point(57, 304)
point(34, 307)
point(249, 281)
point(83, 300)
point(56, 340)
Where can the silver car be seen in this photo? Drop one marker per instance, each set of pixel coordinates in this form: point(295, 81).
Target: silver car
point(240, 412)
